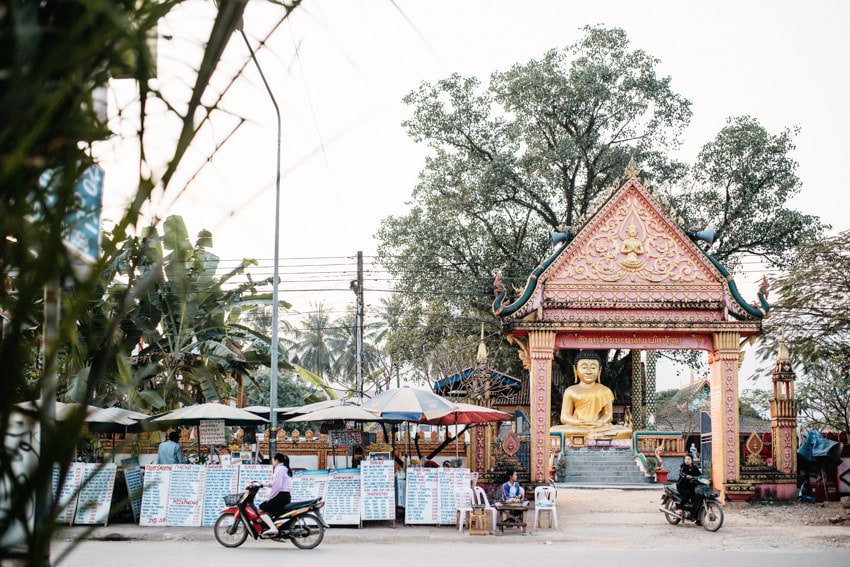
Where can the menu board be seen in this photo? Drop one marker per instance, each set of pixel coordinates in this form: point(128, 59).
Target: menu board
point(220, 482)
point(421, 502)
point(154, 510)
point(450, 482)
point(259, 473)
point(377, 487)
point(343, 497)
point(307, 485)
point(185, 495)
point(95, 498)
point(133, 480)
point(212, 432)
point(67, 498)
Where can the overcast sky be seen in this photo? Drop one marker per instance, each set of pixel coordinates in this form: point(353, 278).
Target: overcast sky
point(339, 69)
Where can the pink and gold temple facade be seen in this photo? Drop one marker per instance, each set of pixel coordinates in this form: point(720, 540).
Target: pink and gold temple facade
point(632, 278)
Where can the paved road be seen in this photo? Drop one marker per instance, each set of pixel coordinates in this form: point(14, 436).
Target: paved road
point(605, 527)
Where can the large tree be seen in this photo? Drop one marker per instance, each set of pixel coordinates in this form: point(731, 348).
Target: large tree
point(530, 151)
point(810, 317)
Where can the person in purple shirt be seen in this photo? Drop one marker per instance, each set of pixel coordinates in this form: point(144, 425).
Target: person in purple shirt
point(279, 496)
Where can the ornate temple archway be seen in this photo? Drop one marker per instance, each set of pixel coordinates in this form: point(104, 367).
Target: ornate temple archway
point(632, 277)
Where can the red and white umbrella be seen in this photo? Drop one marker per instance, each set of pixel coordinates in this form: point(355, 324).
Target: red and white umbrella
point(409, 404)
point(467, 414)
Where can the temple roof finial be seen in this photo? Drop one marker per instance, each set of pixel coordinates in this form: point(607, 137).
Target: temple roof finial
point(782, 354)
point(631, 170)
point(482, 348)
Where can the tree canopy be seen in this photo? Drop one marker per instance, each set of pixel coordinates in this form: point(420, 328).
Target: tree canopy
point(531, 150)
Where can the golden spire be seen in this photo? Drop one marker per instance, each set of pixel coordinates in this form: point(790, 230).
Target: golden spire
point(482, 348)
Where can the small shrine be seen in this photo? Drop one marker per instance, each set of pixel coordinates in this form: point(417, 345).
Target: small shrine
point(632, 277)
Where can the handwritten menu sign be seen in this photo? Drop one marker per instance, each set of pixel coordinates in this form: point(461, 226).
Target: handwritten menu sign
point(67, 498)
point(450, 482)
point(259, 473)
point(307, 485)
point(133, 480)
point(185, 495)
point(154, 510)
point(220, 482)
point(343, 497)
point(421, 504)
point(212, 432)
point(377, 487)
point(95, 496)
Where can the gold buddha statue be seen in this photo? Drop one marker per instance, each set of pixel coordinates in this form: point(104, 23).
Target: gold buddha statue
point(588, 405)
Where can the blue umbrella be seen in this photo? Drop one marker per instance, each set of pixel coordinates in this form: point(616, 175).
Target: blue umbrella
point(408, 404)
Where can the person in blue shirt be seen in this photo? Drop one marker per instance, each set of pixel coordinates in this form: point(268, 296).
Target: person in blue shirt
point(170, 452)
point(512, 490)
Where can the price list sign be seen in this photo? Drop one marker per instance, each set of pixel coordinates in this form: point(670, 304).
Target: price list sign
point(67, 497)
point(450, 483)
point(212, 432)
point(377, 487)
point(421, 504)
point(133, 480)
point(307, 485)
point(220, 482)
point(343, 502)
point(154, 510)
point(258, 473)
point(95, 497)
point(185, 495)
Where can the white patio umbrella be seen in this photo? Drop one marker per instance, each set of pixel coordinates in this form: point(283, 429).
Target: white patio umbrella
point(409, 404)
point(192, 415)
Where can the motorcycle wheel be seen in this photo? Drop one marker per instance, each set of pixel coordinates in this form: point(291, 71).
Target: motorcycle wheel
point(671, 518)
point(228, 534)
point(306, 531)
point(711, 516)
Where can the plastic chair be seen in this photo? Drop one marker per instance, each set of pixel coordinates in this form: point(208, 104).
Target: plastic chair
point(463, 503)
point(544, 501)
point(480, 499)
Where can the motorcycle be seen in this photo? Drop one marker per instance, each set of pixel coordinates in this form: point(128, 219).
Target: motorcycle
point(299, 522)
point(708, 513)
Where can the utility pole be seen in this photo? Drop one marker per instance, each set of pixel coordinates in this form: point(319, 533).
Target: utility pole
point(357, 287)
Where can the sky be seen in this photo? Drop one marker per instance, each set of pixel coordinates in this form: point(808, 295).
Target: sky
point(339, 69)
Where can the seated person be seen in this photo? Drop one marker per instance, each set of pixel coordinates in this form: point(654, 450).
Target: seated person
point(512, 491)
point(588, 406)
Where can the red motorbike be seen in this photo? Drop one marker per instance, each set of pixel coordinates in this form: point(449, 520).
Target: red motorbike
point(300, 522)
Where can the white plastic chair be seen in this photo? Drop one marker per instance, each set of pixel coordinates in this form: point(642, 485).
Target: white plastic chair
point(480, 499)
point(544, 501)
point(463, 502)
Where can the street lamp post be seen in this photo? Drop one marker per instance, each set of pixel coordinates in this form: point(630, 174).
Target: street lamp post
point(275, 276)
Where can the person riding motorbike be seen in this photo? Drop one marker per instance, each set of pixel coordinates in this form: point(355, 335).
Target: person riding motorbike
point(280, 496)
point(688, 471)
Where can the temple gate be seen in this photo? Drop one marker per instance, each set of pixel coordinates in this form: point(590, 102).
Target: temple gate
point(632, 277)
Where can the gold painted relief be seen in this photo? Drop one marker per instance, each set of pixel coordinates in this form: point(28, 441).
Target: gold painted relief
point(632, 243)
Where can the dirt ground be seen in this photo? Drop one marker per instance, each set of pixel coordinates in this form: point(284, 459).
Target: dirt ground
point(631, 519)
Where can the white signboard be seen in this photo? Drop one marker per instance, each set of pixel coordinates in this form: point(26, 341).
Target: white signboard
point(450, 482)
point(377, 487)
point(133, 480)
point(154, 510)
point(95, 498)
point(212, 432)
point(220, 482)
point(343, 497)
point(307, 485)
point(186, 495)
point(259, 473)
point(67, 497)
point(421, 502)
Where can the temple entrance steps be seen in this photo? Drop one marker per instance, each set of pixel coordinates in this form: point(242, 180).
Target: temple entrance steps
point(603, 466)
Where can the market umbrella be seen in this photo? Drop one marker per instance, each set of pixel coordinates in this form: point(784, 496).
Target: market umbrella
point(469, 414)
point(408, 404)
point(115, 419)
point(465, 414)
point(193, 415)
point(64, 410)
point(287, 412)
point(338, 413)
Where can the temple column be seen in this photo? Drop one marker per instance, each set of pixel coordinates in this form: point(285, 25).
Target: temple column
point(651, 363)
point(638, 413)
point(541, 346)
point(725, 361)
point(783, 415)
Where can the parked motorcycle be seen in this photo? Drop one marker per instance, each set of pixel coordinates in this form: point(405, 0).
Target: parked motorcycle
point(708, 513)
point(300, 522)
